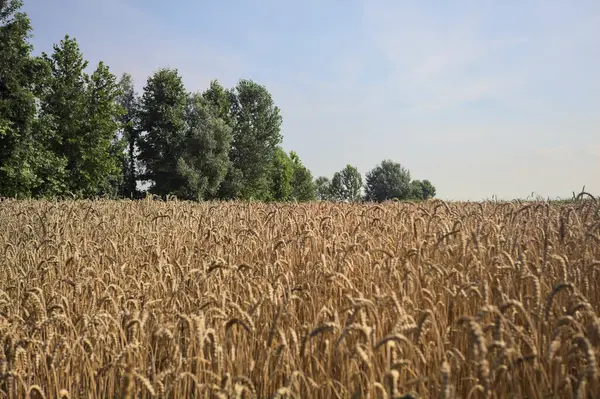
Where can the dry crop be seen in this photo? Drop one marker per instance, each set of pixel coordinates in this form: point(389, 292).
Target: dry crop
point(107, 299)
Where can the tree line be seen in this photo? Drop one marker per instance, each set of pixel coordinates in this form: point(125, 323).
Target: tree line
point(388, 180)
point(65, 132)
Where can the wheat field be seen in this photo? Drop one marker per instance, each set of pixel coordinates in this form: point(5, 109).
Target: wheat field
point(170, 299)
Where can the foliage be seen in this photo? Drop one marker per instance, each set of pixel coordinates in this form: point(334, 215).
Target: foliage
point(323, 188)
point(205, 156)
point(282, 174)
point(219, 100)
point(129, 124)
point(32, 169)
point(389, 180)
point(421, 190)
point(82, 112)
point(303, 187)
point(428, 189)
point(233, 184)
point(416, 190)
point(66, 133)
point(28, 167)
point(346, 185)
point(162, 126)
point(103, 151)
point(290, 179)
point(256, 126)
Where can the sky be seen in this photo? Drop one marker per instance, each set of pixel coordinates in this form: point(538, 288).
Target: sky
point(483, 98)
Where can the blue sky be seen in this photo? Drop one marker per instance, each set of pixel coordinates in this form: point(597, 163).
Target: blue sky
point(481, 97)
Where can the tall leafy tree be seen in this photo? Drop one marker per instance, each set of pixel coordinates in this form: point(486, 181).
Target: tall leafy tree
point(64, 106)
point(323, 188)
point(346, 184)
point(303, 187)
point(282, 175)
point(386, 181)
point(16, 96)
point(103, 150)
point(162, 127)
point(205, 156)
point(129, 120)
point(17, 101)
point(83, 113)
point(220, 101)
point(256, 123)
point(27, 165)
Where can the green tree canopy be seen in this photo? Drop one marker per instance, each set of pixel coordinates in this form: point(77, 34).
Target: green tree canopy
point(103, 150)
point(205, 156)
point(386, 181)
point(323, 188)
point(428, 189)
point(416, 190)
point(28, 166)
point(422, 190)
point(83, 112)
point(219, 100)
point(17, 101)
point(256, 126)
point(346, 185)
point(303, 187)
point(129, 121)
point(282, 174)
point(162, 127)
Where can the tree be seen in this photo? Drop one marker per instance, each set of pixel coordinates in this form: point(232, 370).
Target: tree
point(28, 168)
point(32, 169)
point(219, 100)
point(205, 157)
point(256, 126)
point(323, 188)
point(63, 107)
point(102, 166)
point(17, 102)
point(422, 190)
point(162, 130)
point(233, 184)
point(428, 189)
point(83, 113)
point(282, 175)
point(346, 184)
point(129, 120)
point(416, 190)
point(303, 187)
point(290, 179)
point(387, 181)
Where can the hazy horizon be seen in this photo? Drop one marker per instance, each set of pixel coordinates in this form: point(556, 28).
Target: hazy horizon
point(481, 98)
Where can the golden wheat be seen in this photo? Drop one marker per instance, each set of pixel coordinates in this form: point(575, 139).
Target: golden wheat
point(106, 299)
